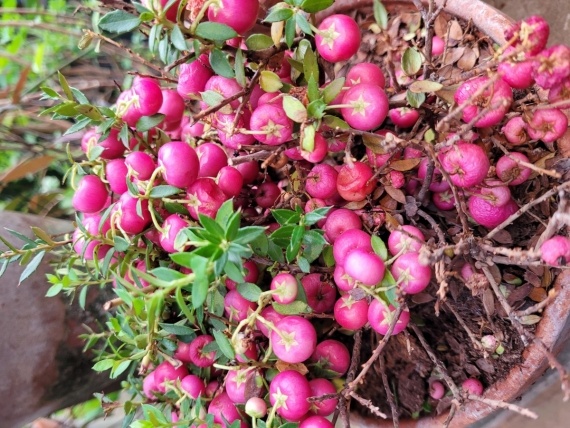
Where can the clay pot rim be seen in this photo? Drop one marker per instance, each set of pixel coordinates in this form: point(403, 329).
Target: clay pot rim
point(554, 328)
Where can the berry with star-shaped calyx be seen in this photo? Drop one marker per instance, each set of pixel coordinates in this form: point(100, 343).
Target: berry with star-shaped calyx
point(531, 33)
point(350, 313)
point(332, 355)
point(204, 197)
point(365, 72)
point(271, 125)
point(294, 339)
point(337, 38)
point(236, 307)
point(285, 287)
point(364, 106)
point(552, 66)
point(380, 317)
point(412, 276)
point(288, 392)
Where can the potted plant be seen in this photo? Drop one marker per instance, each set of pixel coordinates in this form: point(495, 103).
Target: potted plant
point(324, 212)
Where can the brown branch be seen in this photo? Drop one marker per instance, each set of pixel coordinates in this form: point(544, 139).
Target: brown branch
point(368, 404)
point(389, 394)
point(443, 371)
point(497, 404)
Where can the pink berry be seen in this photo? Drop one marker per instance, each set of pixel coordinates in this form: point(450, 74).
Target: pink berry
point(400, 241)
point(224, 410)
point(515, 131)
point(518, 75)
point(472, 386)
point(412, 276)
point(339, 221)
point(194, 386)
point(332, 355)
point(236, 307)
point(288, 392)
point(498, 97)
point(180, 164)
point(374, 272)
point(167, 372)
point(171, 226)
point(128, 218)
point(272, 123)
point(355, 182)
point(150, 386)
point(267, 194)
point(90, 195)
point(192, 77)
point(230, 181)
point(224, 86)
point(141, 165)
point(467, 164)
point(547, 125)
point(510, 171)
point(556, 251)
point(348, 241)
point(488, 214)
point(285, 288)
point(343, 281)
point(240, 383)
point(436, 390)
point(444, 201)
point(351, 314)
point(112, 146)
point(172, 108)
point(321, 294)
point(256, 407)
point(531, 33)
point(321, 181)
point(198, 357)
point(320, 386)
point(271, 315)
point(366, 106)
point(230, 136)
point(365, 72)
point(205, 198)
point(338, 38)
point(240, 15)
point(212, 159)
point(404, 117)
point(316, 422)
point(437, 46)
point(295, 339)
point(380, 317)
point(552, 66)
point(560, 93)
point(116, 174)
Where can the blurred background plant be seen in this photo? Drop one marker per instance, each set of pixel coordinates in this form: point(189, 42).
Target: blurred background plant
point(38, 38)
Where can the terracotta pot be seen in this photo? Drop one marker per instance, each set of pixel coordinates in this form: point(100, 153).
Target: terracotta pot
point(43, 365)
point(554, 328)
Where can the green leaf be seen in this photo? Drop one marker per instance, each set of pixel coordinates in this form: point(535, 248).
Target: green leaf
point(32, 266)
point(220, 64)
point(166, 274)
point(425, 86)
point(164, 191)
point(211, 226)
point(101, 366)
point(249, 291)
point(282, 236)
point(119, 367)
point(314, 6)
point(239, 67)
point(224, 344)
point(294, 109)
point(215, 31)
point(248, 234)
point(279, 14)
point(212, 98)
point(224, 213)
point(65, 86)
point(90, 111)
point(286, 216)
point(54, 290)
point(308, 138)
point(177, 329)
point(183, 259)
point(146, 123)
point(274, 252)
point(78, 126)
point(316, 215)
point(380, 15)
point(183, 306)
point(290, 31)
point(310, 65)
point(269, 81)
point(260, 245)
point(415, 100)
point(177, 39)
point(332, 90)
point(297, 307)
point(258, 42)
point(379, 247)
point(234, 272)
point(304, 264)
point(119, 21)
point(295, 244)
point(199, 266)
point(411, 61)
point(121, 244)
point(304, 24)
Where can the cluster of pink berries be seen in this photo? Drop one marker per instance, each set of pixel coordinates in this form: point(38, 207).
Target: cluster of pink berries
point(192, 163)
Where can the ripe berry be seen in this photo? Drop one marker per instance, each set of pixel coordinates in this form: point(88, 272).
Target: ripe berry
point(366, 106)
point(338, 38)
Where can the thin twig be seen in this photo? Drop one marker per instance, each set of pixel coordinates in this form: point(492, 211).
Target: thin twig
point(497, 404)
point(389, 394)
